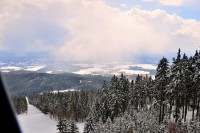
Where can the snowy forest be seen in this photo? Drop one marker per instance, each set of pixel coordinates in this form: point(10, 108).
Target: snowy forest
point(166, 103)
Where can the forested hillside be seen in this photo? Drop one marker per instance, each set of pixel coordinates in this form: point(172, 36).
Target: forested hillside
point(167, 104)
point(21, 83)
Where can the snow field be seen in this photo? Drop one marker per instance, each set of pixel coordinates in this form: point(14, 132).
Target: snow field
point(37, 122)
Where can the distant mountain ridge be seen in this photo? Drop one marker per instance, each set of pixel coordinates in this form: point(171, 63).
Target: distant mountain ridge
point(24, 83)
point(30, 76)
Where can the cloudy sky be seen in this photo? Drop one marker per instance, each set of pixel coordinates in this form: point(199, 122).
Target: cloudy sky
point(99, 30)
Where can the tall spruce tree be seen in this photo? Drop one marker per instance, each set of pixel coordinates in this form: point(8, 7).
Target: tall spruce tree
point(186, 84)
point(61, 126)
point(176, 84)
point(138, 93)
point(162, 79)
point(117, 98)
point(196, 90)
point(90, 126)
point(71, 127)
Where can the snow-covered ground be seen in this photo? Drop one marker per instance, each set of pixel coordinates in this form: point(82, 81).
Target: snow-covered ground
point(105, 69)
point(37, 122)
point(80, 127)
point(114, 69)
point(61, 91)
point(17, 68)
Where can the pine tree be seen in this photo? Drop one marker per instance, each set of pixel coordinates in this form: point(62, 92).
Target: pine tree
point(117, 101)
point(161, 79)
point(71, 127)
point(131, 97)
point(194, 127)
point(176, 83)
point(186, 84)
point(101, 108)
point(138, 93)
point(124, 86)
point(196, 89)
point(90, 126)
point(108, 126)
point(61, 126)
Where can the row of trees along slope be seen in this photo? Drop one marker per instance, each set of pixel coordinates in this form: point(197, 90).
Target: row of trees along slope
point(20, 104)
point(146, 101)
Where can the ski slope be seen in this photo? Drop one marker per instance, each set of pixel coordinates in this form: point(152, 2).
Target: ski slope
point(37, 122)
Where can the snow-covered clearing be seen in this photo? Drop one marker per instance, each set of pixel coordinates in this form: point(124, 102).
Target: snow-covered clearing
point(17, 68)
point(80, 127)
point(37, 122)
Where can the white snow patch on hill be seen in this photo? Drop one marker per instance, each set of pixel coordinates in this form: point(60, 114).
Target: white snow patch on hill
point(145, 66)
point(34, 68)
point(17, 68)
point(56, 91)
point(115, 69)
point(80, 127)
point(130, 72)
point(11, 68)
point(5, 71)
point(49, 72)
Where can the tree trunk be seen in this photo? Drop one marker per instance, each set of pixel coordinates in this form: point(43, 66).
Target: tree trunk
point(161, 103)
point(193, 109)
point(163, 112)
point(194, 102)
point(170, 109)
point(160, 115)
point(183, 109)
point(186, 104)
point(136, 105)
point(197, 115)
point(177, 105)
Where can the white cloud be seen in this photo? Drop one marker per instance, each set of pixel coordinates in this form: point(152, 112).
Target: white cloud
point(176, 3)
point(97, 32)
point(168, 2)
point(123, 5)
point(149, 0)
point(107, 34)
point(31, 26)
point(172, 2)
